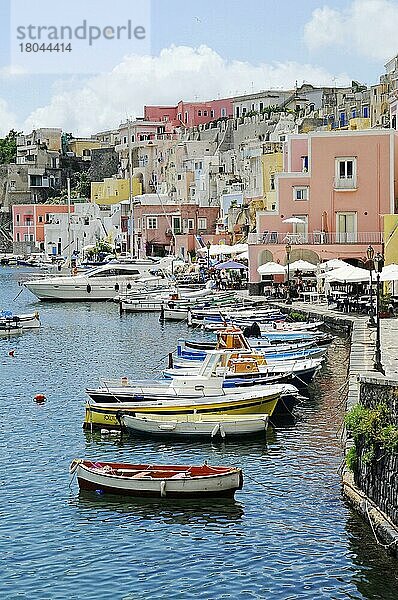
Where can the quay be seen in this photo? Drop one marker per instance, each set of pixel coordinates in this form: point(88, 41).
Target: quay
point(364, 382)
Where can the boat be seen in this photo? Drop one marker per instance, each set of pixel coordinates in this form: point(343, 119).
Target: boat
point(23, 321)
point(195, 425)
point(154, 302)
point(7, 329)
point(241, 368)
point(101, 283)
point(170, 481)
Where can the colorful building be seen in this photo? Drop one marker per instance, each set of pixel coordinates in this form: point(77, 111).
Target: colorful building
point(113, 191)
point(189, 114)
point(337, 186)
point(29, 221)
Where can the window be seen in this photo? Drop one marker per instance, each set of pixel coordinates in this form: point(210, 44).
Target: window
point(202, 223)
point(13, 185)
point(224, 112)
point(205, 113)
point(18, 237)
point(345, 173)
point(36, 180)
point(176, 224)
point(40, 218)
point(152, 222)
point(272, 182)
point(125, 140)
point(198, 165)
point(353, 113)
point(28, 221)
point(190, 224)
point(212, 114)
point(199, 113)
point(18, 218)
point(365, 112)
point(28, 237)
point(179, 177)
point(300, 193)
point(304, 164)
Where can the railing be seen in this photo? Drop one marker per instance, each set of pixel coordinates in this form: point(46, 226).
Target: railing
point(345, 183)
point(315, 238)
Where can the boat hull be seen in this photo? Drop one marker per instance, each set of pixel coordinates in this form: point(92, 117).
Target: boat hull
point(224, 482)
point(194, 426)
point(105, 415)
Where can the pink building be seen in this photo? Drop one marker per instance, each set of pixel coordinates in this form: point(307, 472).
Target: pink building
point(338, 186)
point(28, 222)
point(189, 114)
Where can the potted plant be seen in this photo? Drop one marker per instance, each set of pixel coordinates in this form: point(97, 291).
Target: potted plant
point(385, 306)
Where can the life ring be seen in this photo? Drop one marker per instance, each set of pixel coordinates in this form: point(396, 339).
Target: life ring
point(88, 288)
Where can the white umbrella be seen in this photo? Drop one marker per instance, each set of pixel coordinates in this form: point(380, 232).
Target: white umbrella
point(293, 220)
point(389, 273)
point(348, 274)
point(243, 255)
point(271, 268)
point(301, 265)
point(333, 263)
point(238, 248)
point(216, 249)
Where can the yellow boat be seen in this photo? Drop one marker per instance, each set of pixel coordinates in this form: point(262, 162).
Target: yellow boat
point(259, 399)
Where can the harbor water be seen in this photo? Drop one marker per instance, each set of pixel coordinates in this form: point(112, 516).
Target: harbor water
point(287, 535)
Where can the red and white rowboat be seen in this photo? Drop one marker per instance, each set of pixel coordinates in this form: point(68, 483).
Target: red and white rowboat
point(175, 481)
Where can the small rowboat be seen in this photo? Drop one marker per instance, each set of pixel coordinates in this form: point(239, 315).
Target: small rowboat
point(159, 481)
point(195, 425)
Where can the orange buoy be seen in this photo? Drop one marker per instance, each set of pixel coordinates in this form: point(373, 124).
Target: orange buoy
point(39, 398)
point(11, 353)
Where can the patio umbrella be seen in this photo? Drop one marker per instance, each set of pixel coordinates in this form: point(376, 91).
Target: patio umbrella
point(333, 263)
point(293, 220)
point(301, 265)
point(216, 249)
point(389, 273)
point(231, 264)
point(239, 248)
point(271, 268)
point(348, 274)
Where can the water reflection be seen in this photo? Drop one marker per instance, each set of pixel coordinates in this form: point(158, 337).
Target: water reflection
point(377, 575)
point(170, 510)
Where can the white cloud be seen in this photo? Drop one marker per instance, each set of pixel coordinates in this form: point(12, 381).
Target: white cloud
point(366, 27)
point(7, 118)
point(181, 72)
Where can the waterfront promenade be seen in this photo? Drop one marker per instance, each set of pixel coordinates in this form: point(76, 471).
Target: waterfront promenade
point(362, 373)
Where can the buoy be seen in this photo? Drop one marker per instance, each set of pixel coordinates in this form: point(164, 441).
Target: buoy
point(39, 398)
point(11, 353)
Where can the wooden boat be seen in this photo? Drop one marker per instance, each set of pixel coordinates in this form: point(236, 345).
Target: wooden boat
point(170, 481)
point(195, 425)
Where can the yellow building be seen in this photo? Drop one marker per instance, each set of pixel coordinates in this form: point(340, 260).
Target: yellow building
point(358, 123)
point(272, 163)
point(390, 239)
point(112, 191)
point(82, 147)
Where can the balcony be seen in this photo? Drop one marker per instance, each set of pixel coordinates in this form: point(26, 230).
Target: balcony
point(315, 238)
point(345, 184)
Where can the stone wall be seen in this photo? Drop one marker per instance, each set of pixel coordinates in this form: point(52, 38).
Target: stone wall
point(378, 478)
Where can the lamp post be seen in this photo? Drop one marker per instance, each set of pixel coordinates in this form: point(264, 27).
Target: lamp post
point(379, 264)
point(288, 249)
point(370, 256)
point(208, 255)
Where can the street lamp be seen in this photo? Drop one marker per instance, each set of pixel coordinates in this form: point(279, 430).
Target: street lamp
point(379, 264)
point(208, 255)
point(288, 249)
point(370, 256)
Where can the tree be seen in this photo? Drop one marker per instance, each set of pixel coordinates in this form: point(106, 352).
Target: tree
point(8, 148)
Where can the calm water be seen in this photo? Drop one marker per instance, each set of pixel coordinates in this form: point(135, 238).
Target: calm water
point(287, 535)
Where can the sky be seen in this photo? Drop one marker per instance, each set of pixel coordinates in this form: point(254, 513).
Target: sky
point(195, 51)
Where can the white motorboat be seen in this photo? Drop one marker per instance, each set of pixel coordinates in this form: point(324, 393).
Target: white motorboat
point(151, 302)
point(101, 283)
point(195, 425)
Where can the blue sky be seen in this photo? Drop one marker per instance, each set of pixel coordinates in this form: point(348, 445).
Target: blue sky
point(246, 45)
